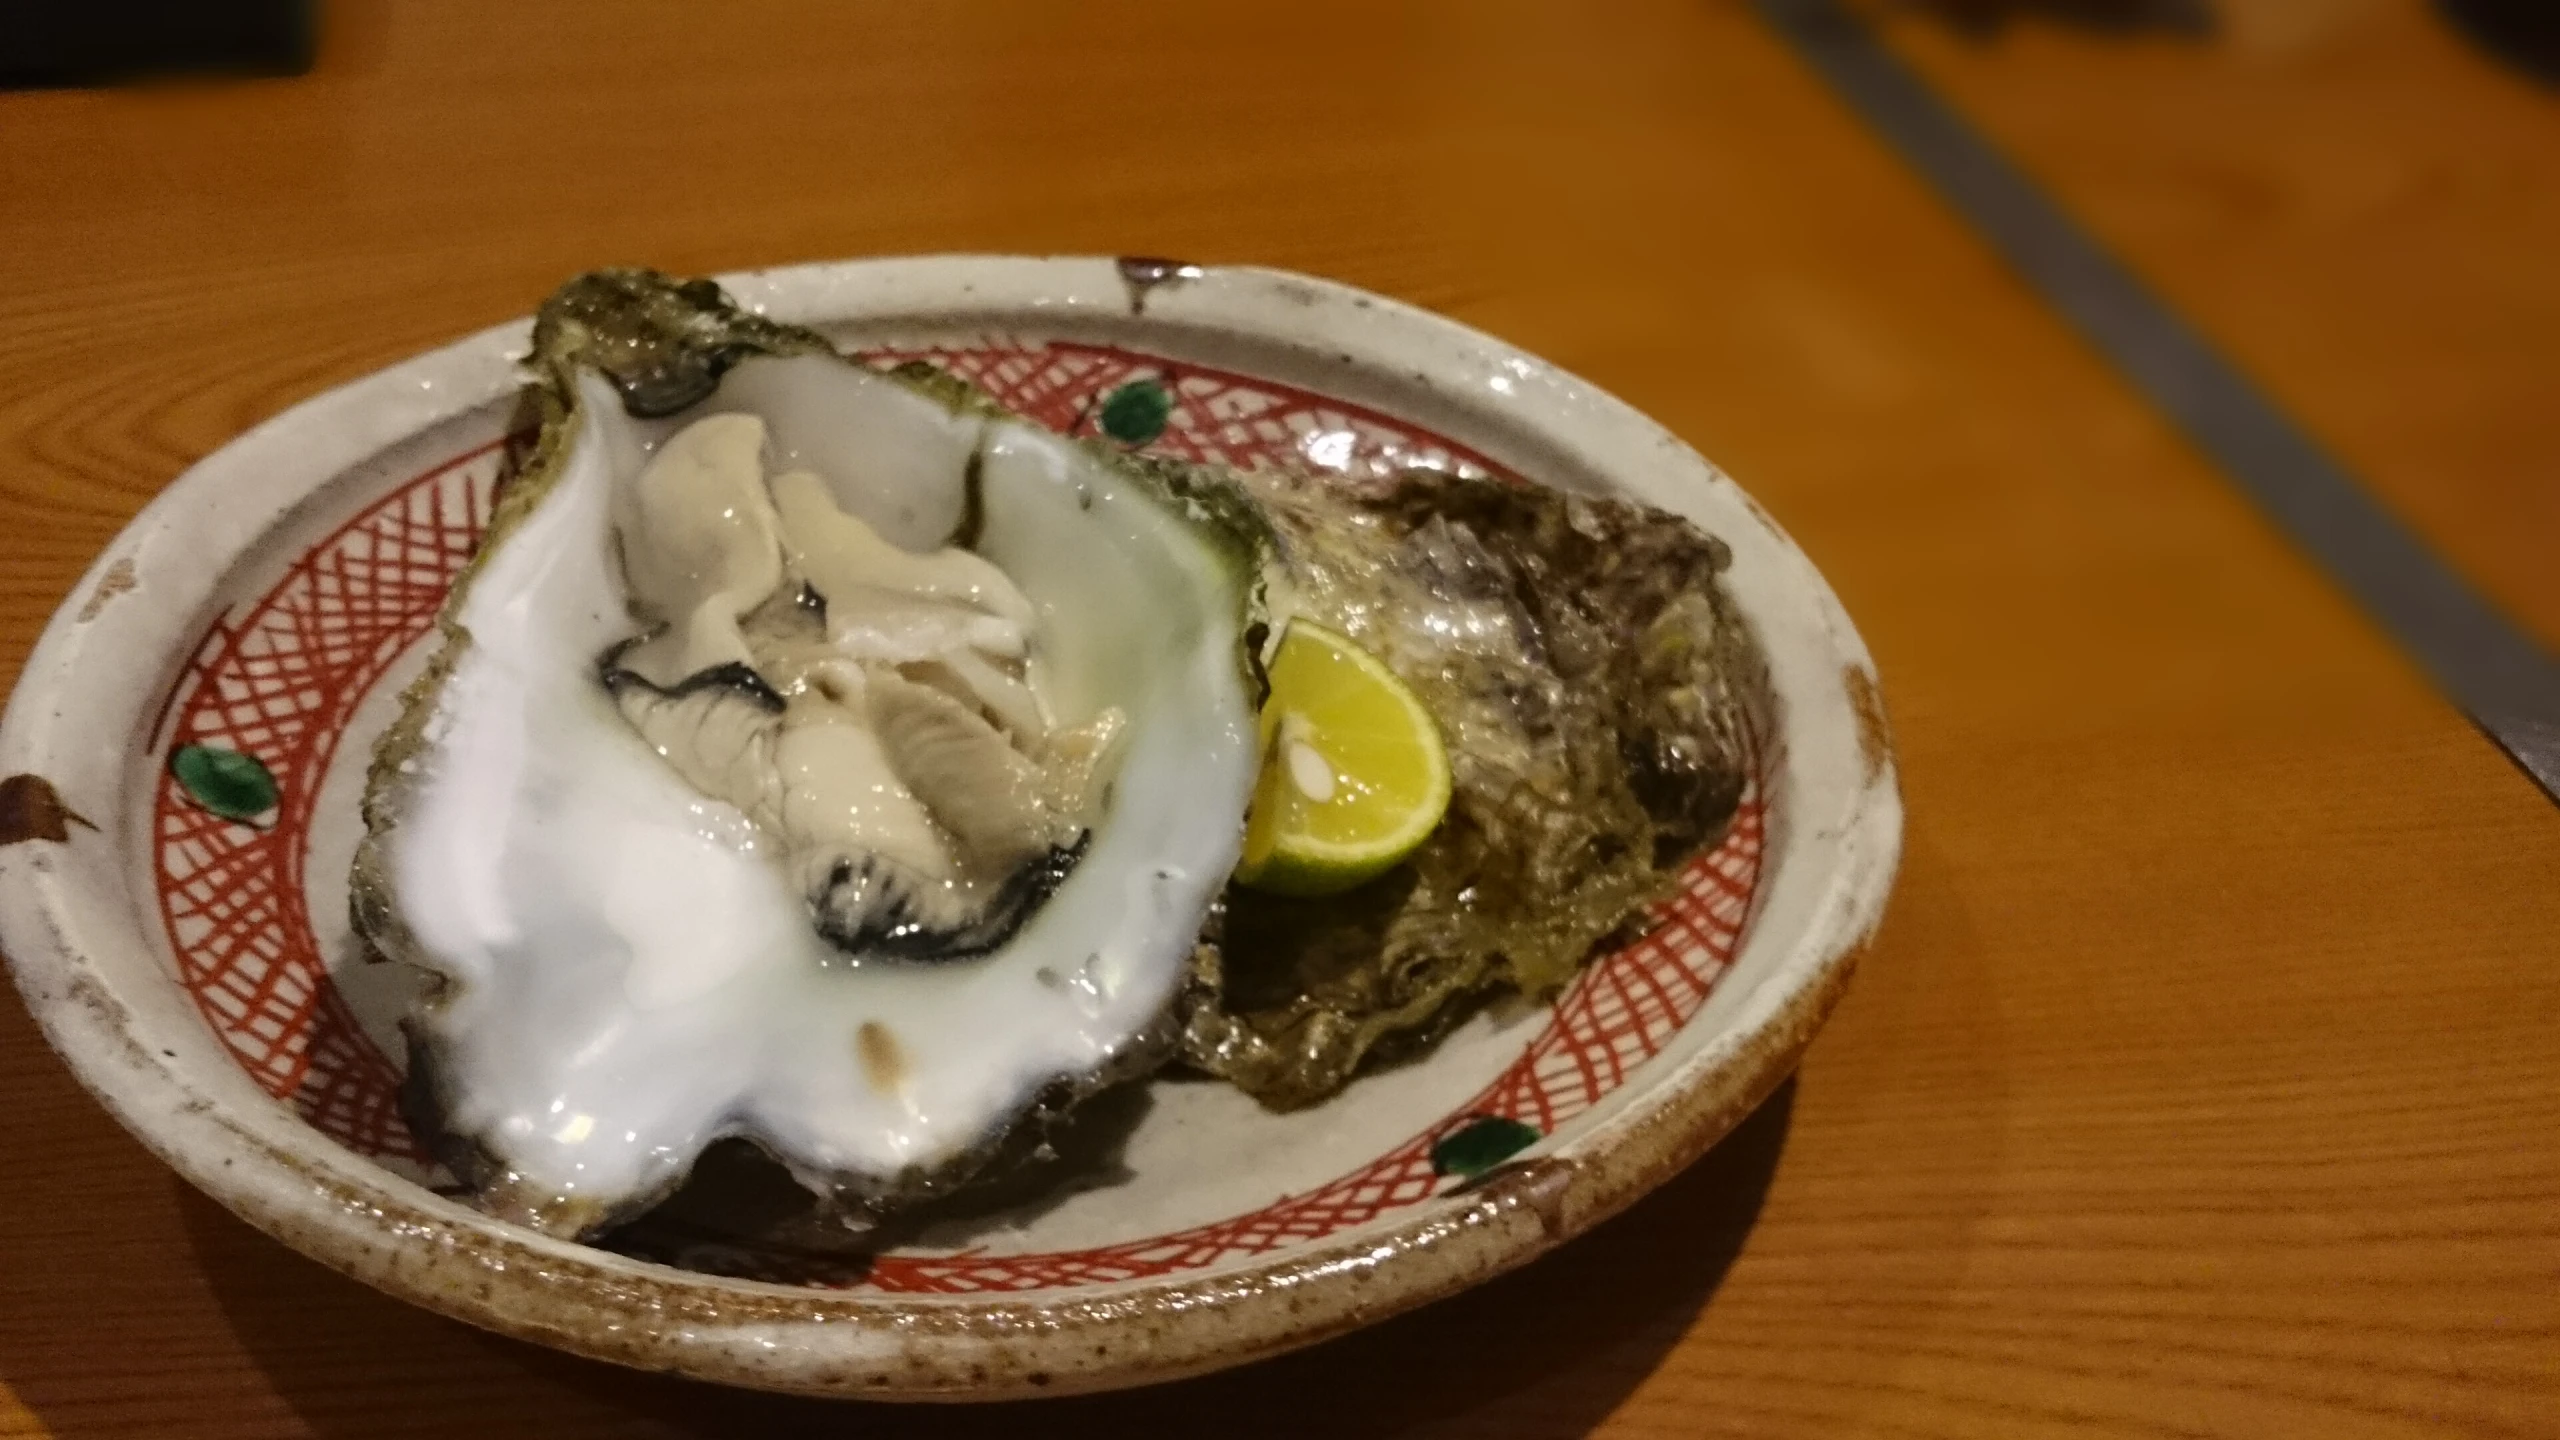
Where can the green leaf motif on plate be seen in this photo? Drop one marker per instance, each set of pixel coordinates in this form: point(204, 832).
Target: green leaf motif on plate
point(228, 783)
point(1480, 1144)
point(1136, 412)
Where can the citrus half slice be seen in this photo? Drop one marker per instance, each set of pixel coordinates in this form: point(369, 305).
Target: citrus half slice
point(1354, 777)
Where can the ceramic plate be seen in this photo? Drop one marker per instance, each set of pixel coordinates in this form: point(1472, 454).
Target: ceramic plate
point(186, 750)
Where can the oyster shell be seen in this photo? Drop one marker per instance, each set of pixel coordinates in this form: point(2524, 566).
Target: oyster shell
point(814, 756)
point(1587, 673)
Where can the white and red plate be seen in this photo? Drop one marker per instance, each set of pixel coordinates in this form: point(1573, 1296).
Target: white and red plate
point(208, 700)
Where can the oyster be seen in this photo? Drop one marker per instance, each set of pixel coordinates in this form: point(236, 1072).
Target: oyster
point(824, 759)
point(814, 756)
point(1588, 673)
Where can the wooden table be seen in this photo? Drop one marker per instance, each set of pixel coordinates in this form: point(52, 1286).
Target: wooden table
point(2204, 1080)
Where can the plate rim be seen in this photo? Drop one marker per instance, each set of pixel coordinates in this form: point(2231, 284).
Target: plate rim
point(257, 1159)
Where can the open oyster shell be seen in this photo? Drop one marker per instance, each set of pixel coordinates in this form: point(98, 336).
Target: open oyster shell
point(815, 756)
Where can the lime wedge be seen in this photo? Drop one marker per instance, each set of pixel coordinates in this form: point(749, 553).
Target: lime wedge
point(1353, 774)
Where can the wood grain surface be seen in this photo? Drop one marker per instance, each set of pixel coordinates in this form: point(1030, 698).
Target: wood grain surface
point(2360, 211)
point(2203, 1081)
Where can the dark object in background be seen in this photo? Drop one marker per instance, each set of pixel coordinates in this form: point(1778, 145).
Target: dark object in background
point(1985, 17)
point(2524, 33)
point(91, 42)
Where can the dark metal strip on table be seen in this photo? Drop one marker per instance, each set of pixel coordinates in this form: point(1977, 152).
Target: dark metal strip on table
point(2507, 684)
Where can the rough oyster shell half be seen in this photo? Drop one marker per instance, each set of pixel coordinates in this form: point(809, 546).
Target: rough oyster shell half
point(1588, 673)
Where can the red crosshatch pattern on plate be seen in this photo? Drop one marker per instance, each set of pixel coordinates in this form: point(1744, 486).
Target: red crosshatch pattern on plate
point(280, 683)
point(282, 679)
